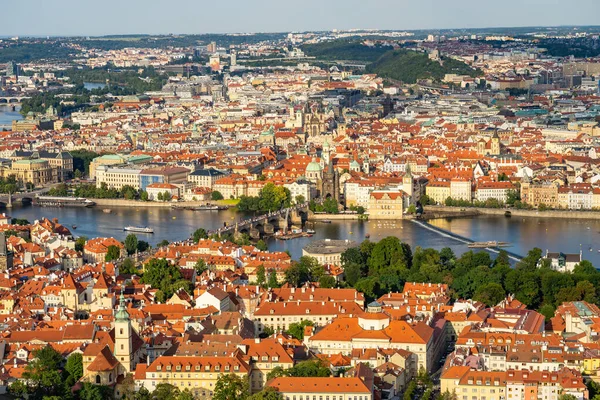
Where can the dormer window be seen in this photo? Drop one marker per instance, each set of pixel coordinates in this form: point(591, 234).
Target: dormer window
point(168, 367)
point(217, 368)
point(227, 368)
point(197, 368)
point(159, 368)
point(236, 368)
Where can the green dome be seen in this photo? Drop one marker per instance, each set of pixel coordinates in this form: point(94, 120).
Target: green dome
point(313, 166)
point(354, 164)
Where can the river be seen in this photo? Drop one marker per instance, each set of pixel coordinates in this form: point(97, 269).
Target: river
point(523, 233)
point(7, 115)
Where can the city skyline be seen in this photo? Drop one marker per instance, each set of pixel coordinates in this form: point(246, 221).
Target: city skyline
point(268, 16)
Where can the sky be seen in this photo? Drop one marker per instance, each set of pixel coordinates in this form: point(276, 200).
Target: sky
point(110, 17)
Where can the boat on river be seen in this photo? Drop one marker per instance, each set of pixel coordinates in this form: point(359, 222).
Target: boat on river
point(62, 201)
point(138, 229)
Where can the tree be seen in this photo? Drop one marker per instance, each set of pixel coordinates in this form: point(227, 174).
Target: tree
point(166, 195)
point(567, 397)
point(199, 234)
point(128, 267)
point(331, 206)
point(163, 243)
point(327, 281)
point(159, 196)
point(231, 387)
point(261, 245)
point(131, 243)
point(113, 253)
point(272, 283)
point(268, 393)
point(296, 329)
point(143, 246)
point(80, 243)
point(43, 373)
point(74, 368)
point(216, 195)
point(165, 277)
point(300, 199)
point(144, 196)
point(200, 266)
point(90, 391)
point(261, 276)
point(165, 391)
point(490, 294)
point(411, 209)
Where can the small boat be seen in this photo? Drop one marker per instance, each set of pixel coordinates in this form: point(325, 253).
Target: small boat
point(367, 235)
point(311, 231)
point(139, 229)
point(107, 211)
point(484, 245)
point(74, 226)
point(326, 221)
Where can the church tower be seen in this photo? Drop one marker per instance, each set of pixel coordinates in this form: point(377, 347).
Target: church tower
point(407, 183)
point(495, 146)
point(123, 337)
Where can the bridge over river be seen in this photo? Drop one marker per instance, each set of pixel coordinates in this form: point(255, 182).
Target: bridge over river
point(266, 224)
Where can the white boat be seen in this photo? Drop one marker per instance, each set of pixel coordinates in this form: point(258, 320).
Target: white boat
point(140, 229)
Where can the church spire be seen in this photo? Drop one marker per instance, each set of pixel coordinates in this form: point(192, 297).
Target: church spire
point(122, 314)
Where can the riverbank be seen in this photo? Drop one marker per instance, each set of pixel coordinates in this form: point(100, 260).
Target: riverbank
point(332, 217)
point(433, 212)
point(151, 204)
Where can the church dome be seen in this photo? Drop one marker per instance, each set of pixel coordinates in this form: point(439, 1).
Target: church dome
point(313, 166)
point(354, 165)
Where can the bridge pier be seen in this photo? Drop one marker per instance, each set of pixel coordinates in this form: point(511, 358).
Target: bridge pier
point(9, 204)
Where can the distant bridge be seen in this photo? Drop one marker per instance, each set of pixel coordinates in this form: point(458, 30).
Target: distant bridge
point(266, 224)
point(21, 197)
point(12, 99)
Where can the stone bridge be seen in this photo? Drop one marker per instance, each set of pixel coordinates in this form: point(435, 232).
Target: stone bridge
point(266, 224)
point(12, 99)
point(8, 199)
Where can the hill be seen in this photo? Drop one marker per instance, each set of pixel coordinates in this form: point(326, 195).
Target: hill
point(347, 50)
point(410, 66)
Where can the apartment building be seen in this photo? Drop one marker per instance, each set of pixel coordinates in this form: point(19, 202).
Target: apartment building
point(297, 388)
point(205, 177)
point(196, 374)
point(117, 177)
point(494, 190)
point(386, 204)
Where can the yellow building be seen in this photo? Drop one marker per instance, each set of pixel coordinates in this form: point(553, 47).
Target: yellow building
point(196, 374)
point(535, 194)
point(469, 384)
point(36, 171)
point(386, 204)
point(438, 191)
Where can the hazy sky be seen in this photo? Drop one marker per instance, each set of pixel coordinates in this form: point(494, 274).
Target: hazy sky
point(88, 17)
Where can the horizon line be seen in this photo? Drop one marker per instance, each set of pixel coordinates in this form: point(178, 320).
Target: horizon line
point(116, 35)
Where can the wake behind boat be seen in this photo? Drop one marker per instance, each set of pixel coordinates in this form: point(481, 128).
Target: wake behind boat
point(139, 229)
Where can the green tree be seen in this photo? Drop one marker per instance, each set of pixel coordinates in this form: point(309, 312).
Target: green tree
point(412, 209)
point(331, 206)
point(131, 243)
point(199, 234)
point(165, 277)
point(216, 195)
point(159, 196)
point(490, 294)
point(144, 195)
point(113, 253)
point(296, 329)
point(42, 374)
point(80, 243)
point(261, 245)
point(272, 283)
point(90, 391)
point(128, 267)
point(327, 281)
point(74, 367)
point(231, 387)
point(165, 391)
point(163, 243)
point(261, 276)
point(268, 393)
point(300, 199)
point(200, 266)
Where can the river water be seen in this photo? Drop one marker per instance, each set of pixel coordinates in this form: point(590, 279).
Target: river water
point(523, 233)
point(7, 115)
